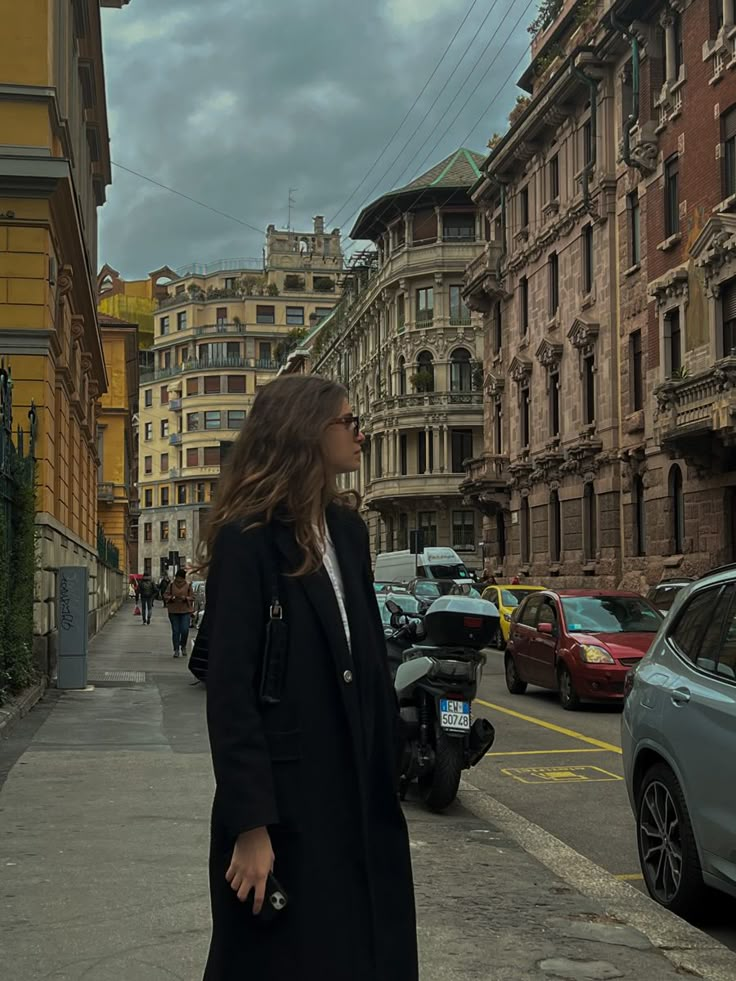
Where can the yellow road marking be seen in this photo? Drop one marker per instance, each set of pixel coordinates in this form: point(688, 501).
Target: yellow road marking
point(560, 774)
point(552, 727)
point(630, 877)
point(543, 752)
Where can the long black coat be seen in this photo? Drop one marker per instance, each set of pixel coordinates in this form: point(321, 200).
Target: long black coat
point(319, 769)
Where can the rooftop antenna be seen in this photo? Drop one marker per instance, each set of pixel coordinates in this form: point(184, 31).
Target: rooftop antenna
point(292, 202)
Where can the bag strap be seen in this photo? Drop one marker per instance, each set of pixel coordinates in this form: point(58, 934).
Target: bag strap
point(275, 652)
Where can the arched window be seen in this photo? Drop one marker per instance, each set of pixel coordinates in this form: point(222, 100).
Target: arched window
point(424, 378)
point(526, 532)
point(461, 379)
point(639, 517)
point(677, 509)
point(402, 376)
point(555, 527)
point(590, 523)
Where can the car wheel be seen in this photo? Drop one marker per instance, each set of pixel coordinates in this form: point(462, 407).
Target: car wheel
point(667, 851)
point(569, 698)
point(513, 682)
point(497, 641)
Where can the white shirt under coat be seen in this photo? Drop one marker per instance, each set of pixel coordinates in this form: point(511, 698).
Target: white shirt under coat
point(332, 567)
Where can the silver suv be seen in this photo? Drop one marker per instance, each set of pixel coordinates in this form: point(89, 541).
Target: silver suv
point(678, 730)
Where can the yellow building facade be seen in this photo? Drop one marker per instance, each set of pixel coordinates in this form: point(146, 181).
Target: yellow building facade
point(223, 332)
point(133, 300)
point(115, 437)
point(54, 169)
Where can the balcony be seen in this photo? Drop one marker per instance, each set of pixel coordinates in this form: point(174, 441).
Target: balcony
point(486, 484)
point(175, 439)
point(420, 403)
point(209, 364)
point(106, 492)
point(174, 473)
point(482, 282)
point(387, 494)
point(175, 405)
point(694, 412)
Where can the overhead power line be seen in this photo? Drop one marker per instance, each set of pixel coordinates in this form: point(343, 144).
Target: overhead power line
point(406, 116)
point(187, 197)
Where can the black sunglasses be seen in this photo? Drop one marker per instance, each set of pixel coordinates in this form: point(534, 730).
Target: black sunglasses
point(347, 422)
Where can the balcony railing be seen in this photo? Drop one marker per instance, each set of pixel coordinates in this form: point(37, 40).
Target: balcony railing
point(174, 473)
point(486, 484)
point(175, 405)
point(691, 407)
point(106, 491)
point(175, 439)
point(209, 364)
point(482, 274)
point(423, 400)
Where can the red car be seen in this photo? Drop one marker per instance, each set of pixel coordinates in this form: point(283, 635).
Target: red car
point(580, 643)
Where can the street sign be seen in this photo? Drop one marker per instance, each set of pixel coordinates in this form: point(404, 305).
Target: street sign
point(72, 606)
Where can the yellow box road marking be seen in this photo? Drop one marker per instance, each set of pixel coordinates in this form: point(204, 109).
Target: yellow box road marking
point(552, 727)
point(630, 877)
point(560, 774)
point(544, 752)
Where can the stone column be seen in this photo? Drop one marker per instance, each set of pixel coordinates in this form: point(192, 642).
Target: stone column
point(427, 468)
point(384, 454)
point(728, 13)
point(437, 468)
point(670, 49)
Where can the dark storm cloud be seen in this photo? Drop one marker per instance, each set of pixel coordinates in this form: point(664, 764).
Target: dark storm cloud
point(234, 103)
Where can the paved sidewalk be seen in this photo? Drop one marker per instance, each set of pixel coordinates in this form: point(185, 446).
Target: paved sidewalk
point(104, 809)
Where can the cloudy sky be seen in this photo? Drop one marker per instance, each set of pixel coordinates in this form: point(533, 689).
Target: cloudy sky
point(234, 102)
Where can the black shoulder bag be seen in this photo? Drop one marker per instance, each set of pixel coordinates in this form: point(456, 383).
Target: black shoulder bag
point(275, 650)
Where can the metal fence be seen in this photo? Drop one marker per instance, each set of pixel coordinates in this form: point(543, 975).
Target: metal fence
point(17, 453)
point(107, 552)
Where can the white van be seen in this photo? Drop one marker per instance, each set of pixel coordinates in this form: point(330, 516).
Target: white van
point(432, 563)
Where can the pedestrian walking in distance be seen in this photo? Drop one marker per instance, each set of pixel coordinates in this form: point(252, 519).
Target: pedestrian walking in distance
point(306, 755)
point(179, 601)
point(147, 591)
point(163, 586)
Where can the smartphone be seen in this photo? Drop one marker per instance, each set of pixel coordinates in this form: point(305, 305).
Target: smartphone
point(274, 903)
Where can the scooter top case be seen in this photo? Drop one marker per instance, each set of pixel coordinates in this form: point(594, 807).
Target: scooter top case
point(461, 621)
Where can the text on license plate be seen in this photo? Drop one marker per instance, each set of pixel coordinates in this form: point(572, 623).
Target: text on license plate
point(454, 716)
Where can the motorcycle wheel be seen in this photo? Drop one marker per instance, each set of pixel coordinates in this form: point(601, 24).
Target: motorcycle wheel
point(439, 788)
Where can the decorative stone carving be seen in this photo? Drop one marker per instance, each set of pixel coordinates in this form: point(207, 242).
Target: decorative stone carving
point(644, 147)
point(583, 335)
point(494, 385)
point(86, 362)
point(77, 327)
point(520, 370)
point(549, 354)
point(65, 280)
point(714, 252)
point(670, 289)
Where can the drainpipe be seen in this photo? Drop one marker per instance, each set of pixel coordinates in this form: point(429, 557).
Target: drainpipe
point(590, 166)
point(634, 114)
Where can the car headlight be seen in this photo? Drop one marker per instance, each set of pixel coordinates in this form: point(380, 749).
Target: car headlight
point(595, 655)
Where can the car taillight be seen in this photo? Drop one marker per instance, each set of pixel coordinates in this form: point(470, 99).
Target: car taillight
point(473, 623)
point(629, 682)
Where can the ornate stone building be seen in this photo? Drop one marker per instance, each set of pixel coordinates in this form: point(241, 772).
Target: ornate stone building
point(606, 296)
point(410, 352)
point(222, 331)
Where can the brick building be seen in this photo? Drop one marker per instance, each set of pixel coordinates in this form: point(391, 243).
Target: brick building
point(607, 298)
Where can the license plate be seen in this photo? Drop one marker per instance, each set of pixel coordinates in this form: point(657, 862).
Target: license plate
point(454, 716)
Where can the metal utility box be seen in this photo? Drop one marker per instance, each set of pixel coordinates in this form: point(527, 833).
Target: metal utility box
point(72, 615)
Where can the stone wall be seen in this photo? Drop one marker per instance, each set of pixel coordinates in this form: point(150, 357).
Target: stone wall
point(107, 588)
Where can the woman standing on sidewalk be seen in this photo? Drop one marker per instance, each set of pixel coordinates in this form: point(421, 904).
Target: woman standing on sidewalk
point(179, 600)
point(306, 786)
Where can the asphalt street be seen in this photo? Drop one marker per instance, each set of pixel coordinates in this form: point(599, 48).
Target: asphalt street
point(564, 772)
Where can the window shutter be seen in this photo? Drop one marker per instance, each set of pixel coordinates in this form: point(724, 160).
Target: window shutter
point(729, 124)
point(729, 300)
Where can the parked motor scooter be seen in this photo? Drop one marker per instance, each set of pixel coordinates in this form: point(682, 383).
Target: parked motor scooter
point(437, 663)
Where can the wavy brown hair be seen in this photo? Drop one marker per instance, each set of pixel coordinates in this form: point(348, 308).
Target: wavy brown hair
point(276, 467)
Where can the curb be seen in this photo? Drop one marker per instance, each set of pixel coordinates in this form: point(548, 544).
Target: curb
point(20, 706)
point(688, 948)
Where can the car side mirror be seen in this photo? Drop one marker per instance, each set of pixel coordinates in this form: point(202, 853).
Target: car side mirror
point(393, 607)
point(548, 629)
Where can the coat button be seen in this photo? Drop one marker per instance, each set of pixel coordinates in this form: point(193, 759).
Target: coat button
point(348, 677)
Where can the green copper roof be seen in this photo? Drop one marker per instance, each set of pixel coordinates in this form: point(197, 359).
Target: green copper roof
point(460, 169)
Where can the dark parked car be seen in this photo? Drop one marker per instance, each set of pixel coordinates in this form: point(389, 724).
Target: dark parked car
point(580, 643)
point(663, 594)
